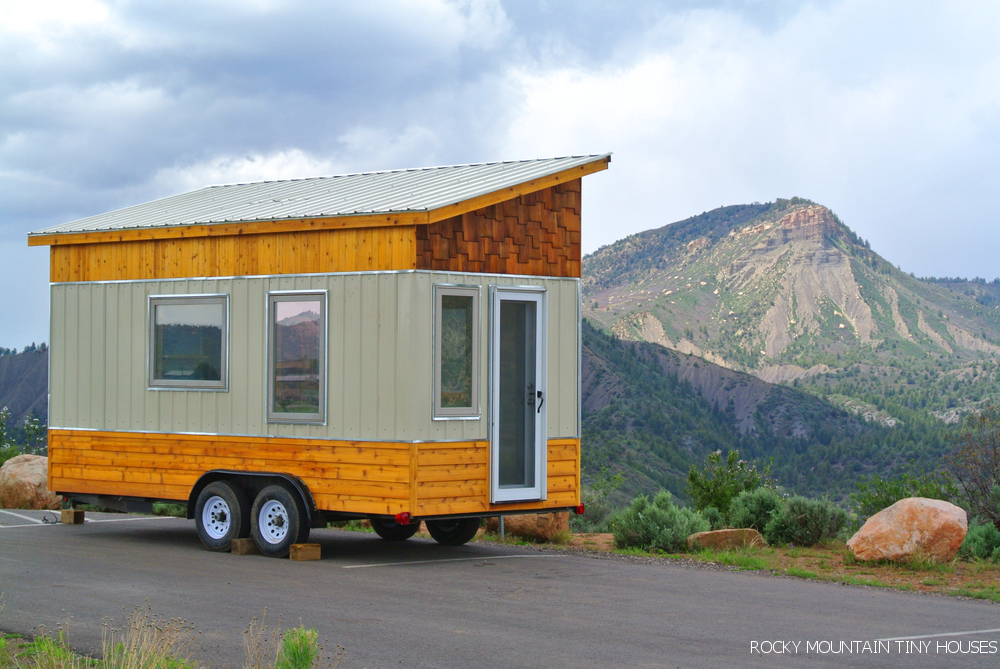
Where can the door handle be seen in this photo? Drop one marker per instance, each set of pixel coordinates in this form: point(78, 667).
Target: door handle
point(541, 401)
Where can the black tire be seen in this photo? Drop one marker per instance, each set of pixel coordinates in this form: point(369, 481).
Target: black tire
point(390, 530)
point(453, 532)
point(221, 514)
point(278, 520)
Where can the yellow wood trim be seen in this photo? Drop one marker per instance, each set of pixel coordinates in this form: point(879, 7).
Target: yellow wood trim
point(232, 229)
point(510, 193)
point(425, 479)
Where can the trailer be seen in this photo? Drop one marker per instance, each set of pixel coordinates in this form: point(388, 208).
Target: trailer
point(400, 346)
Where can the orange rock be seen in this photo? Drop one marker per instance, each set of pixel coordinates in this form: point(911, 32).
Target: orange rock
point(23, 484)
point(740, 538)
point(911, 527)
point(534, 526)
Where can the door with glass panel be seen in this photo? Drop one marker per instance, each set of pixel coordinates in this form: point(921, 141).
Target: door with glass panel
point(517, 393)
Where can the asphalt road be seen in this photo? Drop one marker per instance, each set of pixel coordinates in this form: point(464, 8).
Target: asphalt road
point(419, 604)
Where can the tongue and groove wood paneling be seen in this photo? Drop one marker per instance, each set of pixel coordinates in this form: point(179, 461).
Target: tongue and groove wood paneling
point(425, 479)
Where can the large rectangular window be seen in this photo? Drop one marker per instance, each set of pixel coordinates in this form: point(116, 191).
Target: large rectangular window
point(296, 357)
point(188, 342)
point(456, 351)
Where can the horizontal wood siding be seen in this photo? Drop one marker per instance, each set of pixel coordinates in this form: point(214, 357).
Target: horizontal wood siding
point(303, 252)
point(359, 477)
point(355, 477)
point(536, 234)
point(454, 478)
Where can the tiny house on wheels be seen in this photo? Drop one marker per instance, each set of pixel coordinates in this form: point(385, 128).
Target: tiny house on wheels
point(398, 346)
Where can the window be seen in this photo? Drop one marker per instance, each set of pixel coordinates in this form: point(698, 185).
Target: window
point(188, 342)
point(296, 357)
point(456, 352)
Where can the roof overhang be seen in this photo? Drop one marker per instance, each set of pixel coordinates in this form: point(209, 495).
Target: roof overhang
point(273, 225)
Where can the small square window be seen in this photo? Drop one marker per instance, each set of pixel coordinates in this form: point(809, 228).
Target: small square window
point(296, 358)
point(456, 352)
point(188, 342)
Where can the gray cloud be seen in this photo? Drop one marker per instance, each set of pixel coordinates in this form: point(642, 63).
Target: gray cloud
point(890, 118)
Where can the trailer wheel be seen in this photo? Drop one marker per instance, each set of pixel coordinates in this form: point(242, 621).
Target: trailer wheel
point(453, 532)
point(278, 520)
point(222, 513)
point(390, 530)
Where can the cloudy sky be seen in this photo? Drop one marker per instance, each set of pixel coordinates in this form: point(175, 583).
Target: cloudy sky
point(886, 112)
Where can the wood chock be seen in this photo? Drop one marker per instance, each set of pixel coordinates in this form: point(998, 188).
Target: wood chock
point(304, 552)
point(72, 516)
point(244, 547)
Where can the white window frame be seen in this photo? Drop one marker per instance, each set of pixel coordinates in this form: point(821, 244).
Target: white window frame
point(152, 383)
point(473, 412)
point(297, 296)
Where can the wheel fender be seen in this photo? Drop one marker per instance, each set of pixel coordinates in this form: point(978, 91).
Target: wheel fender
point(297, 484)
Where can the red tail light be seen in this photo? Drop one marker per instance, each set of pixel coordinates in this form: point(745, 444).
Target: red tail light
point(403, 518)
point(579, 510)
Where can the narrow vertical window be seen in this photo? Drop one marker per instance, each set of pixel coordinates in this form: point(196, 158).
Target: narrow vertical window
point(456, 352)
point(188, 342)
point(297, 357)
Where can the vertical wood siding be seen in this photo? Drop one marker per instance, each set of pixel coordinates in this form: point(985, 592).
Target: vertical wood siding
point(537, 234)
point(309, 252)
point(379, 358)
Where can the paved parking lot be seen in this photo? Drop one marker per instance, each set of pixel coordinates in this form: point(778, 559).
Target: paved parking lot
point(419, 604)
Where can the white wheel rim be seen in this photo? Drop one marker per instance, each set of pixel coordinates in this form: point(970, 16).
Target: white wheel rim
point(216, 517)
point(273, 522)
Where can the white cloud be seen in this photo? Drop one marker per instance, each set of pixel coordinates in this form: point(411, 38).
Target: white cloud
point(41, 18)
point(829, 106)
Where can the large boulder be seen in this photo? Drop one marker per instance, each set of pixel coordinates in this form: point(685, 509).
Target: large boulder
point(912, 527)
point(23, 484)
point(741, 538)
point(533, 526)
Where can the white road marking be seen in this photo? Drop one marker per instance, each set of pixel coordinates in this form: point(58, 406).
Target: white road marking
point(17, 515)
point(934, 636)
point(123, 520)
point(488, 557)
point(38, 523)
point(10, 527)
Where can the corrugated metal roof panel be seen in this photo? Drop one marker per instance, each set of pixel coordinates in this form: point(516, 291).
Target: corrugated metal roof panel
point(421, 189)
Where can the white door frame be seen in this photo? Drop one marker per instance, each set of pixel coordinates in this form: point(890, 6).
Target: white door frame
point(537, 295)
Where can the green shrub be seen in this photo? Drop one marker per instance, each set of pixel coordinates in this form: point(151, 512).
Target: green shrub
point(755, 508)
point(875, 493)
point(720, 482)
point(805, 522)
point(714, 517)
point(299, 649)
point(597, 504)
point(982, 541)
point(659, 524)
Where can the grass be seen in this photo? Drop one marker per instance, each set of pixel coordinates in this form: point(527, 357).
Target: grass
point(356, 525)
point(748, 559)
point(833, 562)
point(149, 641)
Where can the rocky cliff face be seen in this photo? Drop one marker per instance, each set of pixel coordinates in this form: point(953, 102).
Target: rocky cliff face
point(786, 292)
point(778, 294)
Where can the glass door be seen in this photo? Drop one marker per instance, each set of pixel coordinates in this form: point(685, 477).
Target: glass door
point(517, 394)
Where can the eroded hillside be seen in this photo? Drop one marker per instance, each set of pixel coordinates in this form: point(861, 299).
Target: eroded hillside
point(786, 292)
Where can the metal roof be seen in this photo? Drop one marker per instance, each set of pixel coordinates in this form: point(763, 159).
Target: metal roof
point(412, 190)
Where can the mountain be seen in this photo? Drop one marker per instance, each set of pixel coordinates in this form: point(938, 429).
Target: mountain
point(650, 413)
point(788, 293)
point(24, 379)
